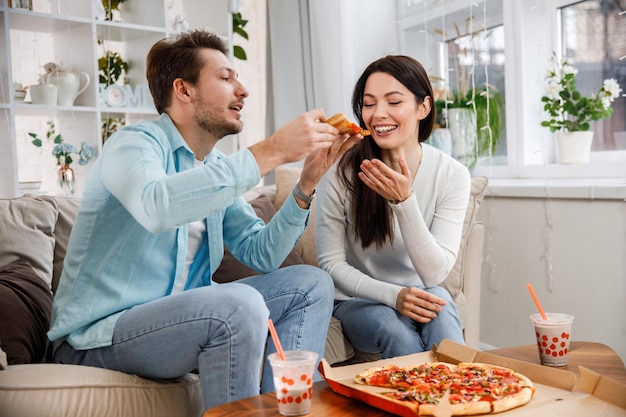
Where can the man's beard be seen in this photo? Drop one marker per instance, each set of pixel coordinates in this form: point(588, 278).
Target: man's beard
point(217, 127)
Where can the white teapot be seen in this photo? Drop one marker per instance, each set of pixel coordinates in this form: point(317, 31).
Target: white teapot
point(70, 84)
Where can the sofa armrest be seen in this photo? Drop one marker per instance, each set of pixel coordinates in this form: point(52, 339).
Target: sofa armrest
point(472, 276)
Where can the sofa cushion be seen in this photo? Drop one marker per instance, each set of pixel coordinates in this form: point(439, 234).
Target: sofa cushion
point(231, 269)
point(24, 313)
point(68, 210)
point(454, 282)
point(27, 231)
point(286, 178)
point(52, 390)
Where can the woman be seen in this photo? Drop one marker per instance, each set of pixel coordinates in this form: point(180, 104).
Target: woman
point(390, 216)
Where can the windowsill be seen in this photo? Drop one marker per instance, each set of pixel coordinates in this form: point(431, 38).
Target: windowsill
point(578, 188)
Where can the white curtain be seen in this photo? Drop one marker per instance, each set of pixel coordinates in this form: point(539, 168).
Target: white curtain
point(318, 49)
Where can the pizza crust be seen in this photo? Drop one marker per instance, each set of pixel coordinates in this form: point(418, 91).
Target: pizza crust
point(467, 409)
point(512, 401)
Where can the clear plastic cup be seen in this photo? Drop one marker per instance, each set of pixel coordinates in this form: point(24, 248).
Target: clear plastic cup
point(293, 379)
point(553, 337)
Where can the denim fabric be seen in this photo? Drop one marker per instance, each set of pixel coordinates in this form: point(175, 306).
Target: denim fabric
point(221, 330)
point(377, 328)
point(300, 300)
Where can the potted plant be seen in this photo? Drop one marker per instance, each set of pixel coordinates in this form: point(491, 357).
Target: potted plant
point(111, 68)
point(63, 151)
point(480, 107)
point(111, 6)
point(570, 113)
point(473, 114)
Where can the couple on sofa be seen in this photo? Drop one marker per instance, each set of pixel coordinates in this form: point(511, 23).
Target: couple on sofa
point(160, 202)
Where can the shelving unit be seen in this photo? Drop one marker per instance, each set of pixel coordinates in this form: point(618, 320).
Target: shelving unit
point(66, 32)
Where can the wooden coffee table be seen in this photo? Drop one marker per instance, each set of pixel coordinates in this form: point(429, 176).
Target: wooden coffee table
point(595, 356)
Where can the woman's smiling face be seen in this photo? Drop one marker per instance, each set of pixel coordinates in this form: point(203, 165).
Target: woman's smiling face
point(390, 111)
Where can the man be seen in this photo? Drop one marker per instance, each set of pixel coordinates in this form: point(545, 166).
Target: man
point(160, 202)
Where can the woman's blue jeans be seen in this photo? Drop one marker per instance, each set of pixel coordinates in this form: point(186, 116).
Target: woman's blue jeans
point(220, 330)
point(377, 328)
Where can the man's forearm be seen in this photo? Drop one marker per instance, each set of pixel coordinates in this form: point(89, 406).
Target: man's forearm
point(267, 158)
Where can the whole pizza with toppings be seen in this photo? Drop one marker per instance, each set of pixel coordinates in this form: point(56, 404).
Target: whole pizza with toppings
point(472, 388)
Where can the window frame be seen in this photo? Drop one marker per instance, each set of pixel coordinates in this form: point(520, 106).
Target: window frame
point(531, 34)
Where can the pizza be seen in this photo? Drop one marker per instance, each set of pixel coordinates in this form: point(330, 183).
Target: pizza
point(472, 388)
point(345, 126)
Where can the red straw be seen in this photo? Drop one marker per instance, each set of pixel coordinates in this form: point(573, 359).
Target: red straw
point(279, 348)
point(536, 300)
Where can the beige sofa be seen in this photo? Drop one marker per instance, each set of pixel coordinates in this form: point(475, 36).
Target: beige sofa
point(36, 229)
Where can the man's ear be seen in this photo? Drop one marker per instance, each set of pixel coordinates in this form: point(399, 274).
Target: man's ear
point(181, 90)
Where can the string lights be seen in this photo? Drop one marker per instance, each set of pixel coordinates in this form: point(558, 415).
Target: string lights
point(548, 228)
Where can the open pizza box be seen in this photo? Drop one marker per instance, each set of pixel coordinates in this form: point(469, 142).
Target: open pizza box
point(557, 392)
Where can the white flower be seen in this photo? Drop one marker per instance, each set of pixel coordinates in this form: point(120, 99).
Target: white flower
point(612, 88)
point(553, 74)
point(569, 69)
point(553, 89)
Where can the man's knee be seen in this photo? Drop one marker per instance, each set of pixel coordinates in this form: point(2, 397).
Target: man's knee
point(320, 282)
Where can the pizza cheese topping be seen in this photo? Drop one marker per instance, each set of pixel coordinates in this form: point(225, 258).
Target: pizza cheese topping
point(473, 388)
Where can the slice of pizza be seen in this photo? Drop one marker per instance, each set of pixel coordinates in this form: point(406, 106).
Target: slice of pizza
point(404, 378)
point(504, 388)
point(345, 126)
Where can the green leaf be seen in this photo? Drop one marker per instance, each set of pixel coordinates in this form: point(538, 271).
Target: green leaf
point(37, 142)
point(238, 20)
point(241, 32)
point(239, 53)
point(58, 139)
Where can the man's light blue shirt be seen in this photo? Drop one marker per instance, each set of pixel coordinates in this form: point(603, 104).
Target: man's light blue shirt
point(129, 243)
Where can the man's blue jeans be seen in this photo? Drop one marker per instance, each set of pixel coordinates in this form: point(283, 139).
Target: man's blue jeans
point(220, 330)
point(377, 328)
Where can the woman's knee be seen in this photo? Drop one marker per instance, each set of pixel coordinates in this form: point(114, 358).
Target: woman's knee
point(441, 293)
point(450, 308)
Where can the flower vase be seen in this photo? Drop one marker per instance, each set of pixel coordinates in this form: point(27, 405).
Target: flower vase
point(66, 178)
point(462, 125)
point(574, 147)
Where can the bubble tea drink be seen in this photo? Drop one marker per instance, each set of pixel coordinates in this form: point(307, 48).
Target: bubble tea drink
point(293, 379)
point(553, 337)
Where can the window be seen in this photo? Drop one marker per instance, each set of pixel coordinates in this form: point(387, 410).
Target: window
point(594, 40)
point(511, 44)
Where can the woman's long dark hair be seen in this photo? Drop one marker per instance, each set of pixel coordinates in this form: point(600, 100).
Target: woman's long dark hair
point(373, 222)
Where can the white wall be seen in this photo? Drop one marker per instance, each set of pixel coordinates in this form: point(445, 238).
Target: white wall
point(573, 251)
